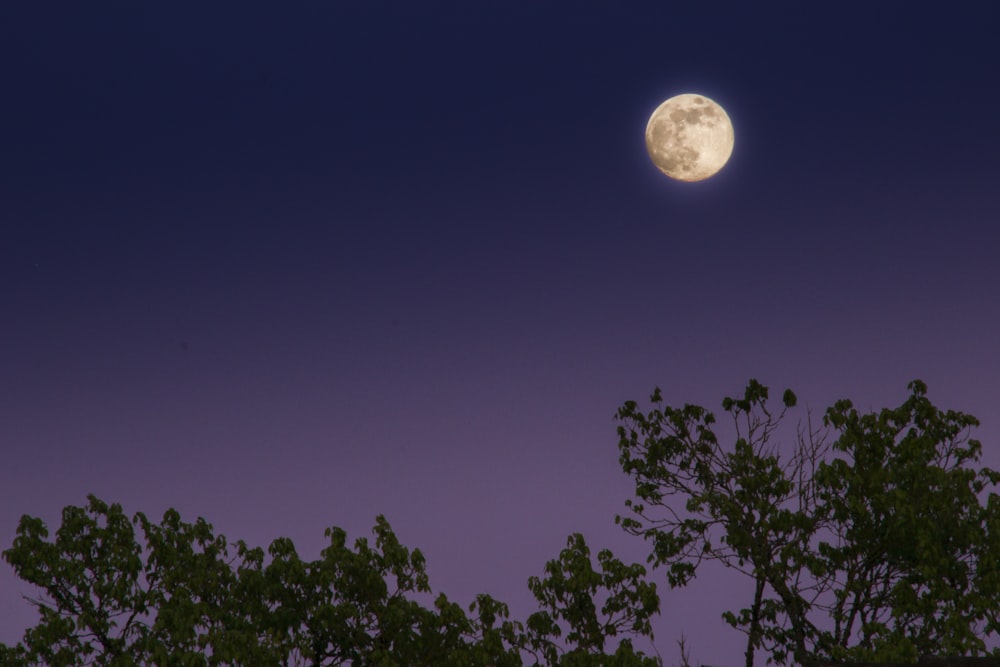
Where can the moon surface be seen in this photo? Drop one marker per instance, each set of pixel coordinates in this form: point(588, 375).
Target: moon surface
point(689, 137)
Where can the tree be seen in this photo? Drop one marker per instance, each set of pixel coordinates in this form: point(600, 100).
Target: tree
point(866, 539)
point(110, 602)
point(186, 597)
point(915, 551)
point(356, 607)
point(568, 595)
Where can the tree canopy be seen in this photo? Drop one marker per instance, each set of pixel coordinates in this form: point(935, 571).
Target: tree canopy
point(182, 595)
point(871, 537)
point(866, 539)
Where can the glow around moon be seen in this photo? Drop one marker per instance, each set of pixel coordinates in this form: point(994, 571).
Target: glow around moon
point(689, 137)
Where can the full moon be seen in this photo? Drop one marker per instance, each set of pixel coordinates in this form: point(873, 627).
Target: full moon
point(689, 137)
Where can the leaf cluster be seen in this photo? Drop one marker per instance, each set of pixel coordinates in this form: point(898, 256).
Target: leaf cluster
point(873, 537)
point(182, 595)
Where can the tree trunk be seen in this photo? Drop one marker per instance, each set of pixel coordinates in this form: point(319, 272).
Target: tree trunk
point(753, 636)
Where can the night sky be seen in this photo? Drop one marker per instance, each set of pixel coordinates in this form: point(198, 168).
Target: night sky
point(292, 265)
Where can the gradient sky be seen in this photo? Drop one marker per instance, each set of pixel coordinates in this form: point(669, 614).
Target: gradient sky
point(291, 265)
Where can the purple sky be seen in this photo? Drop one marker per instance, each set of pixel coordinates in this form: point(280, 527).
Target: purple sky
point(291, 268)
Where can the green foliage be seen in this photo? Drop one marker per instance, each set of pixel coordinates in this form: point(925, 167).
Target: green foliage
point(901, 491)
point(874, 547)
point(570, 594)
point(875, 537)
point(186, 598)
point(91, 572)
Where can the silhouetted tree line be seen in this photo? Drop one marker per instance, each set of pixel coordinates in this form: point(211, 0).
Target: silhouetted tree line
point(872, 538)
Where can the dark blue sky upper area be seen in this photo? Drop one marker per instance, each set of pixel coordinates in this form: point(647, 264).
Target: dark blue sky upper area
point(383, 101)
point(291, 265)
point(370, 144)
